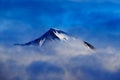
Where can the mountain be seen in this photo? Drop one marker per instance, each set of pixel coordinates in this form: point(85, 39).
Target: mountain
point(53, 35)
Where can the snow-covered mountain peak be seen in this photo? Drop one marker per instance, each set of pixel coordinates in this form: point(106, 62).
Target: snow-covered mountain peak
point(59, 34)
point(52, 35)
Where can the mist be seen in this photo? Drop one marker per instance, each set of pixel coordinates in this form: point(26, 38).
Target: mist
point(63, 61)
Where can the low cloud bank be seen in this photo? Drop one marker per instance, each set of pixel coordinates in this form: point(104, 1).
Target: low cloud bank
point(60, 62)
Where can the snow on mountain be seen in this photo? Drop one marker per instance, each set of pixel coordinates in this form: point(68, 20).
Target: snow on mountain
point(61, 36)
point(52, 35)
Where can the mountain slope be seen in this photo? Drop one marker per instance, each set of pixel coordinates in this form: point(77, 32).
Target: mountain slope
point(52, 35)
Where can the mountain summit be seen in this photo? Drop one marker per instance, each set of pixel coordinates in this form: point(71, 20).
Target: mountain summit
point(52, 35)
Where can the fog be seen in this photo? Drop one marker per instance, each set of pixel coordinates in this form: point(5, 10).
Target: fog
point(59, 61)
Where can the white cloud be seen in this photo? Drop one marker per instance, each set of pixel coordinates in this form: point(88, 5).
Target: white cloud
point(70, 60)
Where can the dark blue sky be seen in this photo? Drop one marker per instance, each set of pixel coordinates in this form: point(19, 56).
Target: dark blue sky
point(92, 20)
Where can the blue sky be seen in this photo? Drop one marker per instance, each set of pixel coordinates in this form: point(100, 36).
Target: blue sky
point(95, 21)
point(92, 20)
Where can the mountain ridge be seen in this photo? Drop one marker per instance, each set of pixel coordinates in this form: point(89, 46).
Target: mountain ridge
point(52, 35)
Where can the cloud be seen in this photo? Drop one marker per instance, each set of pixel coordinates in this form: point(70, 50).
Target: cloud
point(63, 61)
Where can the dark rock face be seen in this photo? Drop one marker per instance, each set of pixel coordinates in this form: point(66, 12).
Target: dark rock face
point(89, 45)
